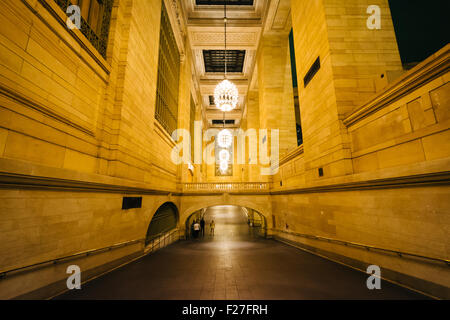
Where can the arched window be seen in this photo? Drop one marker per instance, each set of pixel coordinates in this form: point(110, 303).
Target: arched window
point(165, 219)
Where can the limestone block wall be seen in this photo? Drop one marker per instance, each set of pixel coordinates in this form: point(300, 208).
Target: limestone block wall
point(413, 220)
point(398, 197)
point(359, 56)
point(51, 90)
point(413, 129)
point(276, 96)
point(77, 133)
point(65, 106)
point(40, 225)
point(324, 142)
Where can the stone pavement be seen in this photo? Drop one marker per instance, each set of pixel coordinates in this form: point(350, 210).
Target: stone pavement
point(234, 264)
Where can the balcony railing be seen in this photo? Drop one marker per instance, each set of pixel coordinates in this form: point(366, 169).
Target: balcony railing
point(99, 41)
point(225, 186)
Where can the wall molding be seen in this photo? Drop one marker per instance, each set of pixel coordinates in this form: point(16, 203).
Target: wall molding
point(61, 17)
point(23, 181)
point(291, 155)
point(420, 180)
point(433, 67)
point(25, 101)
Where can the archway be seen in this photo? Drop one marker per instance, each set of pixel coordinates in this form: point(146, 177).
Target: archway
point(164, 219)
point(254, 220)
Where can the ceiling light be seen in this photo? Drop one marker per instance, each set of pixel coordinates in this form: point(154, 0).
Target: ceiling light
point(226, 94)
point(225, 138)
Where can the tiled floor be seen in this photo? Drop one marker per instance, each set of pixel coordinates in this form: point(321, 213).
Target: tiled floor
point(234, 265)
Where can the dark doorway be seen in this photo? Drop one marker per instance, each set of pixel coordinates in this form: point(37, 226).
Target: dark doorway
point(165, 219)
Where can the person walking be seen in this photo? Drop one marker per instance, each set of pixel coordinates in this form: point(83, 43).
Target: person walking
point(202, 227)
point(212, 225)
point(196, 229)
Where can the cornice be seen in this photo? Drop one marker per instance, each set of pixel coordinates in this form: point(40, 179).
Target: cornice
point(430, 69)
point(420, 180)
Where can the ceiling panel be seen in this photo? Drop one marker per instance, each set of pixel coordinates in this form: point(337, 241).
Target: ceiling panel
point(223, 2)
point(214, 61)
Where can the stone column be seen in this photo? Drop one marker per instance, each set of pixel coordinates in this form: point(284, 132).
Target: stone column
point(276, 97)
point(352, 59)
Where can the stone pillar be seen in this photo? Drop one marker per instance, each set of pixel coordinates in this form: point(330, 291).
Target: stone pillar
point(352, 59)
point(276, 97)
point(184, 106)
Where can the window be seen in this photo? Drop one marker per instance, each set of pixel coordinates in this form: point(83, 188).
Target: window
point(166, 111)
point(298, 122)
point(312, 72)
point(95, 20)
point(215, 60)
point(191, 126)
point(221, 122)
point(222, 2)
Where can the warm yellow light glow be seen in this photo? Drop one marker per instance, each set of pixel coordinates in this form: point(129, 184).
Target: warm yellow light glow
point(226, 96)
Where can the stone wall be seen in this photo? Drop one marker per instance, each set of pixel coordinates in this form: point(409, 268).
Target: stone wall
point(77, 133)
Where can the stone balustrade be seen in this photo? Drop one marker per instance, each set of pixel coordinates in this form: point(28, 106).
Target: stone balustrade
point(225, 186)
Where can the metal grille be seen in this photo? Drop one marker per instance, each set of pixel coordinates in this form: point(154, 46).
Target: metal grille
point(222, 2)
point(227, 121)
point(99, 41)
point(312, 72)
point(215, 60)
point(168, 76)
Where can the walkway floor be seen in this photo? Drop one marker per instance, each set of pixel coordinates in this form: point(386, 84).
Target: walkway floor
point(234, 265)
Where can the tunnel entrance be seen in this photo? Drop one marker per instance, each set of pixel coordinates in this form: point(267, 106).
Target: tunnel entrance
point(165, 219)
point(230, 222)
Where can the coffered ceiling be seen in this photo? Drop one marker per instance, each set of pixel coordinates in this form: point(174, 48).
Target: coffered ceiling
point(201, 21)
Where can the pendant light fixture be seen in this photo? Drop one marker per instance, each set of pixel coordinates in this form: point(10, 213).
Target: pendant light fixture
point(226, 94)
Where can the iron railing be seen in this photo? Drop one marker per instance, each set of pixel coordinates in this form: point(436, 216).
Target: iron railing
point(99, 41)
point(365, 246)
point(160, 240)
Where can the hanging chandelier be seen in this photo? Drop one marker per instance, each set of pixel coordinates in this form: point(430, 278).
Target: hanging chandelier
point(225, 138)
point(223, 166)
point(226, 94)
point(224, 155)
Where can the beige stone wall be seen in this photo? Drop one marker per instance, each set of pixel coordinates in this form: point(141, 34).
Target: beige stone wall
point(276, 96)
point(42, 225)
point(74, 122)
point(366, 132)
point(324, 140)
point(412, 130)
point(359, 56)
point(52, 91)
point(64, 106)
point(412, 220)
point(71, 120)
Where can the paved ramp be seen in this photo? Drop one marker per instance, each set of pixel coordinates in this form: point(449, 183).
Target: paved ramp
point(234, 264)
